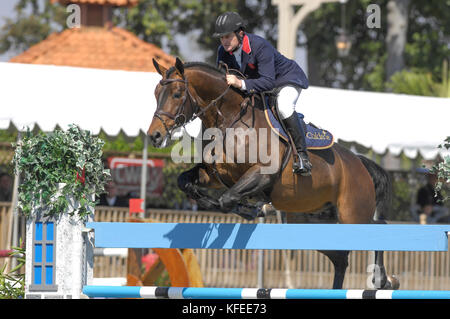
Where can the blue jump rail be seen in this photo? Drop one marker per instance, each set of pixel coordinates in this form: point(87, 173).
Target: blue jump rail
point(272, 236)
point(255, 293)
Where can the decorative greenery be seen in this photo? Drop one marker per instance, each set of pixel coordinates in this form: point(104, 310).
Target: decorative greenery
point(421, 83)
point(442, 169)
point(12, 284)
point(71, 157)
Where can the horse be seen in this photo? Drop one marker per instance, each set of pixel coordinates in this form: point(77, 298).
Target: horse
point(356, 187)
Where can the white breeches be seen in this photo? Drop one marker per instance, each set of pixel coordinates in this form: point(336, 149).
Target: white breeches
point(287, 101)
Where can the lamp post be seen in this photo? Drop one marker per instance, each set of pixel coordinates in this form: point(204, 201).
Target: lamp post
point(343, 44)
point(343, 41)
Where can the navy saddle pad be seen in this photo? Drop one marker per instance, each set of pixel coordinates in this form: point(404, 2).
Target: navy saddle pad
point(316, 138)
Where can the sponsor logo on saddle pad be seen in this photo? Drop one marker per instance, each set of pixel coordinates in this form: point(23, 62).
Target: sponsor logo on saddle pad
point(316, 138)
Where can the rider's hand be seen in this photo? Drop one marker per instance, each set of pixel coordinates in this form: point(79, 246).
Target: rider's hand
point(234, 81)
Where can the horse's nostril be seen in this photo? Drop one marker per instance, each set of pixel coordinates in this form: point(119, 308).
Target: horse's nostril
point(156, 137)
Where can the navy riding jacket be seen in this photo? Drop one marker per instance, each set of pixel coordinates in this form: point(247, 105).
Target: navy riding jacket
point(264, 66)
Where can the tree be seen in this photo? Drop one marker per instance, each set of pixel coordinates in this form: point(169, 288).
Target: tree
point(419, 82)
point(428, 26)
point(33, 22)
point(396, 37)
point(374, 56)
point(156, 20)
point(363, 68)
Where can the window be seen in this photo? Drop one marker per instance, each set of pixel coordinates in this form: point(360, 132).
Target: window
point(44, 238)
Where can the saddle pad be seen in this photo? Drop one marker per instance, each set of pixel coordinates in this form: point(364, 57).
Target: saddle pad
point(316, 138)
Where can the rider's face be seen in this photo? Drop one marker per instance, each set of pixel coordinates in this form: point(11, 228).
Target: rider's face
point(229, 41)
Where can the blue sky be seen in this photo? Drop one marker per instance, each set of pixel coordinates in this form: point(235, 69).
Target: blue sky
point(6, 7)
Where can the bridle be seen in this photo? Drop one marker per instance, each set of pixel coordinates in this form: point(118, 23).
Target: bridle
point(180, 118)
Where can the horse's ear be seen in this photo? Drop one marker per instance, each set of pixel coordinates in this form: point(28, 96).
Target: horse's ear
point(179, 66)
point(159, 68)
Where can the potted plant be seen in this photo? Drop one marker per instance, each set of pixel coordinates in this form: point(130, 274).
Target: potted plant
point(61, 171)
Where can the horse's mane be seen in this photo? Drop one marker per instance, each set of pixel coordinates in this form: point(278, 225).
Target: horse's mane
point(211, 69)
point(200, 65)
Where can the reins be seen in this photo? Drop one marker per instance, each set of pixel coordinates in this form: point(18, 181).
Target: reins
point(196, 110)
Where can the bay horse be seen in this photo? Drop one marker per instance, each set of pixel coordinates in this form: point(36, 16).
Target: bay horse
point(357, 187)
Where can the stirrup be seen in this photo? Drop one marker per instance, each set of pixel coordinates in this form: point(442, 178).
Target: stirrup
point(302, 166)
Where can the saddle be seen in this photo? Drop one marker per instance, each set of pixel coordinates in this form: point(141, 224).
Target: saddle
point(316, 138)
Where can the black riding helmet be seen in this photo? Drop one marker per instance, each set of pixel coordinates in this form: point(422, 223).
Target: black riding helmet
point(228, 22)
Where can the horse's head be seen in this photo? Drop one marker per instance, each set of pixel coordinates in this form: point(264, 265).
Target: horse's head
point(175, 104)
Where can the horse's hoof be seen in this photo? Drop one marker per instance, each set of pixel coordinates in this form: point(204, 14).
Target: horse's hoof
point(268, 209)
point(394, 282)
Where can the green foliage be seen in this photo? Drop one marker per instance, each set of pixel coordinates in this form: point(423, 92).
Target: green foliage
point(45, 160)
point(442, 169)
point(428, 30)
point(364, 67)
point(8, 136)
point(159, 21)
point(125, 144)
point(421, 83)
point(411, 82)
point(12, 284)
point(33, 22)
point(152, 20)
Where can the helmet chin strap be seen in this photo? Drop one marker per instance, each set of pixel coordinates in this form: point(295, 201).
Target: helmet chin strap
point(240, 41)
point(237, 48)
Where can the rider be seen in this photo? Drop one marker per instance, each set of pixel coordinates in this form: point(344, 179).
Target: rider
point(266, 69)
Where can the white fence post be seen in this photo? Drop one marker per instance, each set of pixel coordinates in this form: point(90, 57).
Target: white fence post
point(59, 256)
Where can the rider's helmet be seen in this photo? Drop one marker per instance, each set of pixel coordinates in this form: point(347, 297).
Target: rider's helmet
point(228, 22)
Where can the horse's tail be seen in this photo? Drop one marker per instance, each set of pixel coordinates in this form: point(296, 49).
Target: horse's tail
point(383, 188)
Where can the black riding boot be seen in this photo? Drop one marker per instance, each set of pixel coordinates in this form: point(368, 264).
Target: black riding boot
point(294, 126)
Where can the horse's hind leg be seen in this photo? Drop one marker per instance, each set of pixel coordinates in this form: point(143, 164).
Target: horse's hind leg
point(380, 279)
point(339, 258)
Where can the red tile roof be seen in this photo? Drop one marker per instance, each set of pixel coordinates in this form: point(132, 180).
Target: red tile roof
point(100, 2)
point(96, 47)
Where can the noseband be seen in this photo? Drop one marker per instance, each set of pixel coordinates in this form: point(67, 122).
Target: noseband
point(180, 118)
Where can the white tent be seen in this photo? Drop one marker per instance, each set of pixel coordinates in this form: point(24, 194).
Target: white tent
point(92, 98)
point(113, 100)
point(381, 121)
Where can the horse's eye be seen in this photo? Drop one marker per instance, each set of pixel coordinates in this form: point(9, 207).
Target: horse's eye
point(176, 95)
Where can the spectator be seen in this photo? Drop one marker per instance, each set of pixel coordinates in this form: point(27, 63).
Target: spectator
point(6, 183)
point(111, 198)
point(430, 201)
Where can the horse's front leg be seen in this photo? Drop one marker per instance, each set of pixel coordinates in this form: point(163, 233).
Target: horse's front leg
point(251, 183)
point(191, 183)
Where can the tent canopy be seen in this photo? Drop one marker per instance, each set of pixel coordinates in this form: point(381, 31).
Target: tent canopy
point(122, 100)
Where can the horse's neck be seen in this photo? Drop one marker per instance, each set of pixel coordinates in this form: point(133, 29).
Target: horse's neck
point(228, 108)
